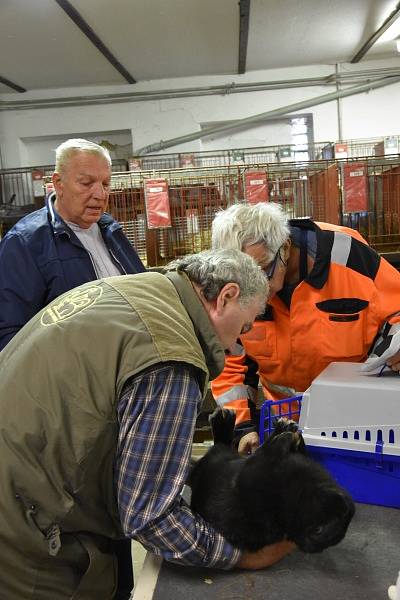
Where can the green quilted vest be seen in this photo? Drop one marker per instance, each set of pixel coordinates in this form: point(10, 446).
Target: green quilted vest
point(61, 377)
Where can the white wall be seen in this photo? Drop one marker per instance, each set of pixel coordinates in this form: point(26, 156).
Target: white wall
point(40, 150)
point(371, 114)
point(252, 135)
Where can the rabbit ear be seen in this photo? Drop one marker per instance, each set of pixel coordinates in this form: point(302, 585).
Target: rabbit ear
point(337, 501)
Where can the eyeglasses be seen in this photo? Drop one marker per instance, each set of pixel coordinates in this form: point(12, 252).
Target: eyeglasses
point(270, 269)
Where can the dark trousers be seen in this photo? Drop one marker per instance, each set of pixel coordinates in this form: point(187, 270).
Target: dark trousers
point(125, 570)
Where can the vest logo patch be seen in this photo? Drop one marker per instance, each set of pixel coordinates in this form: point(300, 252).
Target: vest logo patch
point(70, 305)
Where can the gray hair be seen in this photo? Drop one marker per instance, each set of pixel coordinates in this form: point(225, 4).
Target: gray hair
point(66, 150)
point(212, 269)
point(243, 224)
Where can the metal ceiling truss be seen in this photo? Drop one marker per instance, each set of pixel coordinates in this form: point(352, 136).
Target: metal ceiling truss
point(12, 85)
point(94, 38)
point(375, 36)
point(244, 12)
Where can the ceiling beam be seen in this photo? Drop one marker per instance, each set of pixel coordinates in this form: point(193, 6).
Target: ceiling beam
point(94, 38)
point(375, 36)
point(244, 16)
point(12, 85)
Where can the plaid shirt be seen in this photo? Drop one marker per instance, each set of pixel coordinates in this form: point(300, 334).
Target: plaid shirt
point(157, 414)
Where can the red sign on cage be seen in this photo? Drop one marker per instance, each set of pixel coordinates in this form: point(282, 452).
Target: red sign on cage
point(256, 186)
point(187, 160)
point(355, 187)
point(135, 164)
point(157, 203)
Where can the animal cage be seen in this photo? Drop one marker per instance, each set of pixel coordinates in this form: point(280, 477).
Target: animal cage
point(194, 198)
point(195, 195)
point(315, 189)
point(378, 215)
point(350, 423)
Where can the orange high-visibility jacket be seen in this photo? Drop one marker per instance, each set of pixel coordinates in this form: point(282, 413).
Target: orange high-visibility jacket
point(335, 314)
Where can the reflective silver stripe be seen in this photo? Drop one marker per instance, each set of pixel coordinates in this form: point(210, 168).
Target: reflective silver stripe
point(394, 328)
point(341, 248)
point(281, 389)
point(252, 394)
point(237, 350)
point(237, 392)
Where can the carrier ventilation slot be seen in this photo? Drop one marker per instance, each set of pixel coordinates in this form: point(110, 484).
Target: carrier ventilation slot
point(356, 435)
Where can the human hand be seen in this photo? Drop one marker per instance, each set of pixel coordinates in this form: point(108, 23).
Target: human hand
point(266, 556)
point(249, 443)
point(394, 362)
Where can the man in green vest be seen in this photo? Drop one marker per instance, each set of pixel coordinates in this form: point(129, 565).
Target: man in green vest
point(99, 397)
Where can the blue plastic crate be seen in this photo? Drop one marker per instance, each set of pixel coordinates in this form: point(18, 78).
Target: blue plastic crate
point(370, 477)
point(274, 409)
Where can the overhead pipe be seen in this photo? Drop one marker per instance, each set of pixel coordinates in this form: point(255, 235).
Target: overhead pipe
point(222, 89)
point(284, 110)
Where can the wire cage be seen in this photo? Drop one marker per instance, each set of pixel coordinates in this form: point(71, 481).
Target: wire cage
point(195, 196)
point(275, 409)
point(323, 190)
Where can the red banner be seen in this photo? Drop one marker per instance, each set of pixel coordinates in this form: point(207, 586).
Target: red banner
point(157, 203)
point(341, 150)
point(355, 187)
point(256, 186)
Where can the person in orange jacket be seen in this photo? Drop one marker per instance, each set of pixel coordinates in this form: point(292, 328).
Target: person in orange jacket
point(332, 298)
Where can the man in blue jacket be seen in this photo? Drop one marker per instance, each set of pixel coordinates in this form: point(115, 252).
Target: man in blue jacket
point(66, 243)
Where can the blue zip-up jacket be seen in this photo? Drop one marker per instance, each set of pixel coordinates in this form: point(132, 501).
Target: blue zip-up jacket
point(41, 258)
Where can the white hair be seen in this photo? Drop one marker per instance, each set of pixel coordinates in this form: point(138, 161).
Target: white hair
point(66, 150)
point(248, 224)
point(212, 269)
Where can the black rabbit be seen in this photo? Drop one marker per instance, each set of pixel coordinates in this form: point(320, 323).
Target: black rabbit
point(276, 493)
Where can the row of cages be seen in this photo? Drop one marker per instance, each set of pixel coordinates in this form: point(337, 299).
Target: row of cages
point(23, 187)
point(280, 154)
point(167, 214)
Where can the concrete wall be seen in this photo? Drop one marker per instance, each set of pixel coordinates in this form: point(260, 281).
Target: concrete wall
point(371, 114)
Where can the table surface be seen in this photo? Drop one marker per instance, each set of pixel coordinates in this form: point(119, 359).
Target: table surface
point(361, 567)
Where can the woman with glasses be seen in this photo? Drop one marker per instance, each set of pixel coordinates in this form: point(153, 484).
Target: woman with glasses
point(332, 298)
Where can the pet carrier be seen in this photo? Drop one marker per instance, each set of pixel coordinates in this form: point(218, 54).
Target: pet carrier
point(350, 422)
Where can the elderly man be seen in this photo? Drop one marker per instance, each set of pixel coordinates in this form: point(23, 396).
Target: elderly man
point(99, 398)
point(332, 298)
point(68, 242)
